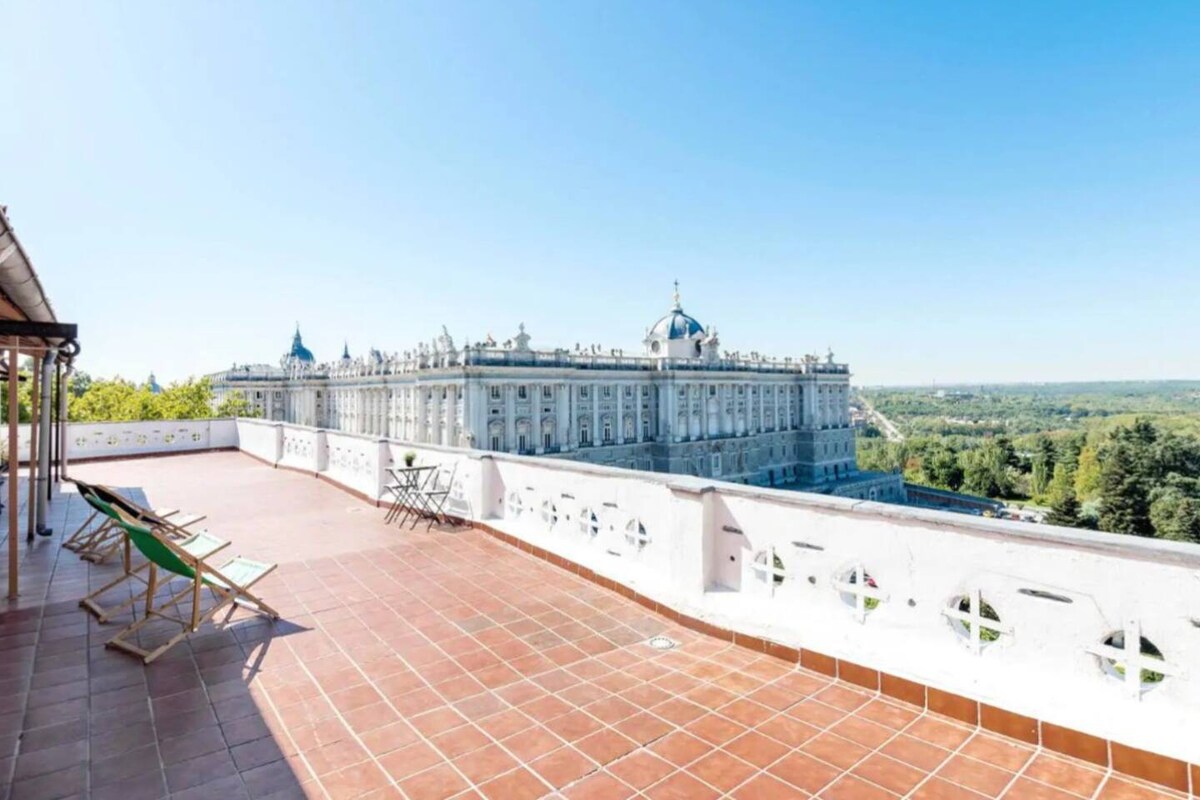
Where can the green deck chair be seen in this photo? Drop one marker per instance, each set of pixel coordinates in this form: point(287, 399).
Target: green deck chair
point(97, 543)
point(199, 544)
point(230, 583)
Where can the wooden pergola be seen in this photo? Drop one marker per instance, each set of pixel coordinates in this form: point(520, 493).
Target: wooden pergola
point(29, 327)
point(53, 347)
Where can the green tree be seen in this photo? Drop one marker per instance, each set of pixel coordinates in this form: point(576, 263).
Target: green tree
point(1175, 514)
point(1043, 466)
point(119, 400)
point(1124, 499)
point(1064, 505)
point(986, 469)
point(115, 400)
point(1087, 474)
point(79, 383)
point(191, 399)
point(943, 468)
point(235, 404)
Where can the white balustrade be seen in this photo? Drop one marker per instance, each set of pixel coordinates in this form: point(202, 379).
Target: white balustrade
point(91, 440)
point(1086, 630)
point(1091, 631)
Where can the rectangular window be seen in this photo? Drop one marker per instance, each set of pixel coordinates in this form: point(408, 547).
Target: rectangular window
point(712, 391)
point(522, 392)
point(645, 391)
point(607, 432)
point(629, 391)
point(495, 390)
point(546, 444)
point(645, 429)
point(547, 392)
point(495, 442)
point(583, 391)
point(583, 436)
point(522, 443)
point(716, 463)
point(608, 391)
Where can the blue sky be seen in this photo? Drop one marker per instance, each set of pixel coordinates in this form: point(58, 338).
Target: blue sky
point(951, 192)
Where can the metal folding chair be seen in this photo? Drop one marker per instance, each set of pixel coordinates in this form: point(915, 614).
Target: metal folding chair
point(432, 497)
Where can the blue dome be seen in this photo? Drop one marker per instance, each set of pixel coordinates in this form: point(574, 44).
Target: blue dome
point(299, 351)
point(676, 325)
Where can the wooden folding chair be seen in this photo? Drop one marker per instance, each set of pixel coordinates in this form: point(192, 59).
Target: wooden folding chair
point(108, 537)
point(200, 544)
point(229, 584)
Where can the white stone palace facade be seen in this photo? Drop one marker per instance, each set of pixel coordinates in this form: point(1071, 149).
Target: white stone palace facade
point(681, 407)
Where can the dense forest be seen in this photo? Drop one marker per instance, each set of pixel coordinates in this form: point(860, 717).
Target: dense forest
point(1121, 457)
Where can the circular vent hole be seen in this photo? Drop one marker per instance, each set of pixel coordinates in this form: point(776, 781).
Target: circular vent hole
point(1116, 667)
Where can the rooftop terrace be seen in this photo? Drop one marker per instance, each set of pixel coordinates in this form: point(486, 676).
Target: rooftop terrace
point(443, 664)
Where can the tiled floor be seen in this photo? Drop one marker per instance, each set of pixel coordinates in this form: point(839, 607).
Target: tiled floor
point(442, 664)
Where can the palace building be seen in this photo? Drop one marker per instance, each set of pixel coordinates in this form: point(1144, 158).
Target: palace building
point(682, 406)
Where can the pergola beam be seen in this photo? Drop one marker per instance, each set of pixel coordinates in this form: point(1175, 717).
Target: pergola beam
point(38, 330)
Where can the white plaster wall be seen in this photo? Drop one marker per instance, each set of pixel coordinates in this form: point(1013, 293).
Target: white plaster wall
point(260, 438)
point(302, 448)
point(114, 439)
point(356, 461)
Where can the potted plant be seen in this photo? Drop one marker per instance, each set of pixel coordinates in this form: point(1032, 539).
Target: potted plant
point(409, 458)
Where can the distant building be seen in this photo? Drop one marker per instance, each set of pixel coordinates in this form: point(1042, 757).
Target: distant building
point(681, 407)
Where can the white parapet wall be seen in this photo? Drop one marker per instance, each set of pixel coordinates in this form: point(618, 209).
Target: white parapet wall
point(88, 440)
point(1037, 620)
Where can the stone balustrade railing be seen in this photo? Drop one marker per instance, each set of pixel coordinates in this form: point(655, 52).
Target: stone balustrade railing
point(1094, 632)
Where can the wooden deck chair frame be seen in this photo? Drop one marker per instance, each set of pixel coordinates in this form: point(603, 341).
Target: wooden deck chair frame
point(166, 555)
point(195, 543)
point(85, 535)
point(110, 538)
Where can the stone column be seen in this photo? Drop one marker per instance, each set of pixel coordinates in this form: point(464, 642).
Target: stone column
point(510, 418)
point(595, 414)
point(451, 438)
point(637, 412)
point(535, 405)
point(562, 415)
point(762, 407)
point(420, 428)
point(621, 414)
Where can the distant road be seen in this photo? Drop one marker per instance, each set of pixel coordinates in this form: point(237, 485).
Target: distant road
point(890, 432)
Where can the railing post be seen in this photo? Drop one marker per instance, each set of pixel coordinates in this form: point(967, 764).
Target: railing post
point(278, 456)
point(320, 452)
point(483, 496)
point(690, 518)
point(383, 460)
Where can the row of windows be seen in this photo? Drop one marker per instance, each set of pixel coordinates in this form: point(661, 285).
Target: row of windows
point(495, 391)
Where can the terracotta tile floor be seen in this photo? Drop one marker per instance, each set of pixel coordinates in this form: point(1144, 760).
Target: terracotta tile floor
point(435, 665)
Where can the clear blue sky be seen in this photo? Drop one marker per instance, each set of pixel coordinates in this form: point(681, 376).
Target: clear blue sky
point(953, 191)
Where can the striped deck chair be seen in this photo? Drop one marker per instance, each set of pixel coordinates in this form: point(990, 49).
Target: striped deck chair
point(229, 584)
